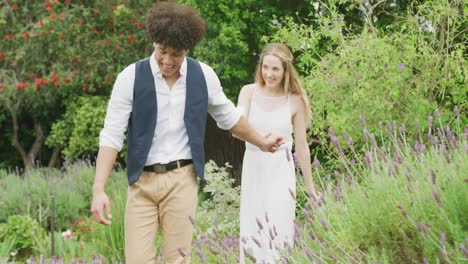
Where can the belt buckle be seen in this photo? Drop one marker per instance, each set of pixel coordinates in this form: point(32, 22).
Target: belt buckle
point(158, 168)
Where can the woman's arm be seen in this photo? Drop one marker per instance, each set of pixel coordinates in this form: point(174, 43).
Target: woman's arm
point(301, 145)
point(243, 102)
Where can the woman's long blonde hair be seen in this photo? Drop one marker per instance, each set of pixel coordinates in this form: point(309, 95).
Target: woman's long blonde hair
point(291, 81)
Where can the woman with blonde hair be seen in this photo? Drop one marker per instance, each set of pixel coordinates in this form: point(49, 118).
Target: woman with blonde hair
point(275, 102)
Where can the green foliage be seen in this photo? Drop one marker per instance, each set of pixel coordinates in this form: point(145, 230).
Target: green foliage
point(23, 232)
point(41, 184)
point(221, 209)
point(399, 77)
point(235, 29)
point(109, 241)
point(78, 130)
point(7, 249)
point(394, 204)
point(54, 50)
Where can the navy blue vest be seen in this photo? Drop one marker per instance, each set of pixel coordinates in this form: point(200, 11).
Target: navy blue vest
point(142, 121)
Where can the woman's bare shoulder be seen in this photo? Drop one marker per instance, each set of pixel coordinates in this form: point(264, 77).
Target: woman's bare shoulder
point(248, 88)
point(296, 99)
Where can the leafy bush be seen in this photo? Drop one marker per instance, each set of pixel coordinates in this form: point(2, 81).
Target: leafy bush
point(399, 77)
point(221, 209)
point(71, 203)
point(77, 132)
point(396, 202)
point(23, 232)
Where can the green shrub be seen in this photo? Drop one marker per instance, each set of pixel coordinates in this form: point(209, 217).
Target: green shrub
point(70, 187)
point(23, 232)
point(221, 209)
point(78, 130)
point(398, 202)
point(399, 77)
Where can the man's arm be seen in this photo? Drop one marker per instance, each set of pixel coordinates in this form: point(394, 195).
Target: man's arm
point(111, 140)
point(228, 118)
point(245, 132)
point(105, 161)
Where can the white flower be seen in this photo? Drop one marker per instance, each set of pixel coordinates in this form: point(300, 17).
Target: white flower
point(67, 234)
point(13, 253)
point(316, 5)
point(427, 26)
point(274, 21)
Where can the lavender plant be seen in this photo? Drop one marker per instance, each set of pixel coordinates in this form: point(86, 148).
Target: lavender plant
point(396, 201)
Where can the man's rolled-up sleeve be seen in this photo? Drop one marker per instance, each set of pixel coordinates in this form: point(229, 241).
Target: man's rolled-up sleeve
point(118, 110)
point(219, 106)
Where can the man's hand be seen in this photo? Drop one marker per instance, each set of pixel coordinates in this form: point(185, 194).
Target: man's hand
point(99, 204)
point(272, 142)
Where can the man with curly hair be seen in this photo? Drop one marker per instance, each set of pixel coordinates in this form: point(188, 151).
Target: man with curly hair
point(164, 101)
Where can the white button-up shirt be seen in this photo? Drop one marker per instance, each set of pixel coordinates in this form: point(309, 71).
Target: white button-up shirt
point(170, 141)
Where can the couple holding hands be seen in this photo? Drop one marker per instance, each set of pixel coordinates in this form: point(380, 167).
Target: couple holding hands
point(163, 101)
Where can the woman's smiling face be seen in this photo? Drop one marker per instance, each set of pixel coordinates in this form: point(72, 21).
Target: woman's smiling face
point(272, 71)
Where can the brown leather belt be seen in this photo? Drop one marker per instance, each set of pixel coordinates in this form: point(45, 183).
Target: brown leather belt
point(161, 168)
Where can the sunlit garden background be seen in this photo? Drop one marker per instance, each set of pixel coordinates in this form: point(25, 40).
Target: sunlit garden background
point(389, 132)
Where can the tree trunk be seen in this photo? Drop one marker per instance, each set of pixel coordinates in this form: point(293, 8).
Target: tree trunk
point(15, 138)
point(29, 157)
point(55, 156)
point(37, 145)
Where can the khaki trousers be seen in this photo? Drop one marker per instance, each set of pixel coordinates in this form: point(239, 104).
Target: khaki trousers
point(161, 201)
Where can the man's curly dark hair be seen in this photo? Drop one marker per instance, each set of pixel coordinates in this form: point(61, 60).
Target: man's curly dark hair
point(173, 25)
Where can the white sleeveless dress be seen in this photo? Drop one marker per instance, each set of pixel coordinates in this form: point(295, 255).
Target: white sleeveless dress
point(267, 210)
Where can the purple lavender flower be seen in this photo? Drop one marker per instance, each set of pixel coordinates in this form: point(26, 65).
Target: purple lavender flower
point(363, 120)
point(288, 157)
point(367, 158)
point(436, 198)
point(296, 160)
point(403, 211)
point(293, 195)
point(259, 224)
point(317, 164)
point(181, 252)
point(433, 176)
point(401, 66)
point(386, 65)
point(308, 253)
point(279, 25)
point(443, 238)
point(457, 111)
point(307, 214)
point(324, 224)
point(249, 256)
point(463, 249)
point(256, 242)
point(191, 220)
point(423, 227)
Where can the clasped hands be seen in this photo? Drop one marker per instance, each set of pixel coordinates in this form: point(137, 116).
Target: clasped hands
point(272, 142)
